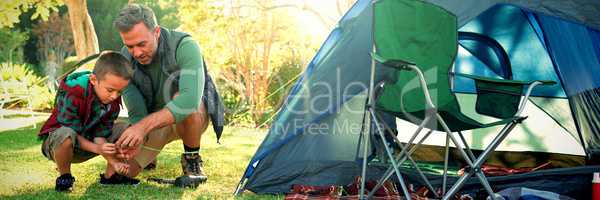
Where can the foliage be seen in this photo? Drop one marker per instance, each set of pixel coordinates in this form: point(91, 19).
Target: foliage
point(11, 10)
point(12, 41)
point(246, 46)
point(22, 88)
point(54, 44)
point(164, 10)
point(103, 13)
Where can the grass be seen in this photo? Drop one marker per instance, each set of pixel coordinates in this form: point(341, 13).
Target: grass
point(26, 174)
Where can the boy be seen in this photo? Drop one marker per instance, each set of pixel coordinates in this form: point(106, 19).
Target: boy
point(81, 125)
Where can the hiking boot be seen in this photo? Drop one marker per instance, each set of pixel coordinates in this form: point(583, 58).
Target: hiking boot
point(191, 165)
point(64, 183)
point(151, 165)
point(118, 179)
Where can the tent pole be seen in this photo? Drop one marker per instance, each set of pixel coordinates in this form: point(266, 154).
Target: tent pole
point(239, 189)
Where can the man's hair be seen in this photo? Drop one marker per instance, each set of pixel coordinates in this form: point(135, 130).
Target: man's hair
point(133, 14)
point(112, 62)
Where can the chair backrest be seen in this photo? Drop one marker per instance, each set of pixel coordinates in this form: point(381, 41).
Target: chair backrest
point(420, 33)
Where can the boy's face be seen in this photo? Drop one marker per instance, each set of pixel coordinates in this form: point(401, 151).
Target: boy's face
point(109, 87)
point(141, 42)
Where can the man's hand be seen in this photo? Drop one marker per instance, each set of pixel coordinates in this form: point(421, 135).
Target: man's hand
point(127, 153)
point(107, 149)
point(131, 137)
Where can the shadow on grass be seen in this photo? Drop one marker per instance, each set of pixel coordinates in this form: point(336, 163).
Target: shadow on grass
point(40, 194)
point(143, 190)
point(97, 191)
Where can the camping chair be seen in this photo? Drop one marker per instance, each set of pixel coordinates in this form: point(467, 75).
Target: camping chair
point(418, 38)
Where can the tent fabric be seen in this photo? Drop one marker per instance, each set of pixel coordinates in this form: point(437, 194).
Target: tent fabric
point(309, 107)
point(579, 11)
point(509, 26)
point(587, 107)
point(573, 182)
point(316, 137)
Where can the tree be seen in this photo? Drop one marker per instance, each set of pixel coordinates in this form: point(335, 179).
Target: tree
point(84, 35)
point(246, 43)
point(55, 43)
point(103, 13)
point(86, 42)
point(11, 10)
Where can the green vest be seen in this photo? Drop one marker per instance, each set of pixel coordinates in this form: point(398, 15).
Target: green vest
point(167, 51)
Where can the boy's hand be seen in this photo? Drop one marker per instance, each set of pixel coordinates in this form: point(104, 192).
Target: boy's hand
point(107, 149)
point(131, 137)
point(120, 168)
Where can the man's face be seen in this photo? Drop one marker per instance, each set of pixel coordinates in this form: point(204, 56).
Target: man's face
point(108, 88)
point(141, 42)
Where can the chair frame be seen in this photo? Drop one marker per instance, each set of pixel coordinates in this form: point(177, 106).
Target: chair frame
point(431, 114)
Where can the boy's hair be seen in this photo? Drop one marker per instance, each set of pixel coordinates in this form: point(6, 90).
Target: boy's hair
point(114, 63)
point(133, 14)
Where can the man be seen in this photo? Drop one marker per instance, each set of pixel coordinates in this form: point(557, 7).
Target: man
point(170, 95)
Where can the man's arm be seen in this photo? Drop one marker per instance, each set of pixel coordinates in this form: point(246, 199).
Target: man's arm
point(134, 101)
point(134, 135)
point(191, 86)
point(191, 80)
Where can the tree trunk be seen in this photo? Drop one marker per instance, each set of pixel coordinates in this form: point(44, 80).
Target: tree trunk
point(84, 35)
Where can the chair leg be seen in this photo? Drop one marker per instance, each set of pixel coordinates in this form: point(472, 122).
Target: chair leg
point(445, 176)
point(472, 156)
point(463, 153)
point(475, 166)
point(365, 154)
point(412, 161)
point(400, 160)
point(391, 156)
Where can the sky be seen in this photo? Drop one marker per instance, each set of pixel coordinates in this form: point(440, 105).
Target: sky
point(310, 21)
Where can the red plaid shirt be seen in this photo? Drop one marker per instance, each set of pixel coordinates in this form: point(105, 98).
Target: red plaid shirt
point(78, 108)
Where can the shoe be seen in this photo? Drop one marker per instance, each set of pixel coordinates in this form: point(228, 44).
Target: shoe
point(118, 179)
point(191, 165)
point(64, 183)
point(152, 165)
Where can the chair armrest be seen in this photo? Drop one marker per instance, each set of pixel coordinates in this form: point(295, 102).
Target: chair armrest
point(504, 81)
point(400, 64)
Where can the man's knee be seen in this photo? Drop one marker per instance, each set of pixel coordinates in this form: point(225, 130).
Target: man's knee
point(199, 116)
point(134, 168)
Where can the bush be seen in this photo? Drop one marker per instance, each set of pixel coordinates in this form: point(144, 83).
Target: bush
point(21, 88)
point(12, 41)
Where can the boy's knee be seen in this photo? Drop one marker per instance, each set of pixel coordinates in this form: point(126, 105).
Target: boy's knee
point(63, 137)
point(67, 143)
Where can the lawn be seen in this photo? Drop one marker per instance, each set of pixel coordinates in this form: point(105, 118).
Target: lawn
point(26, 174)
